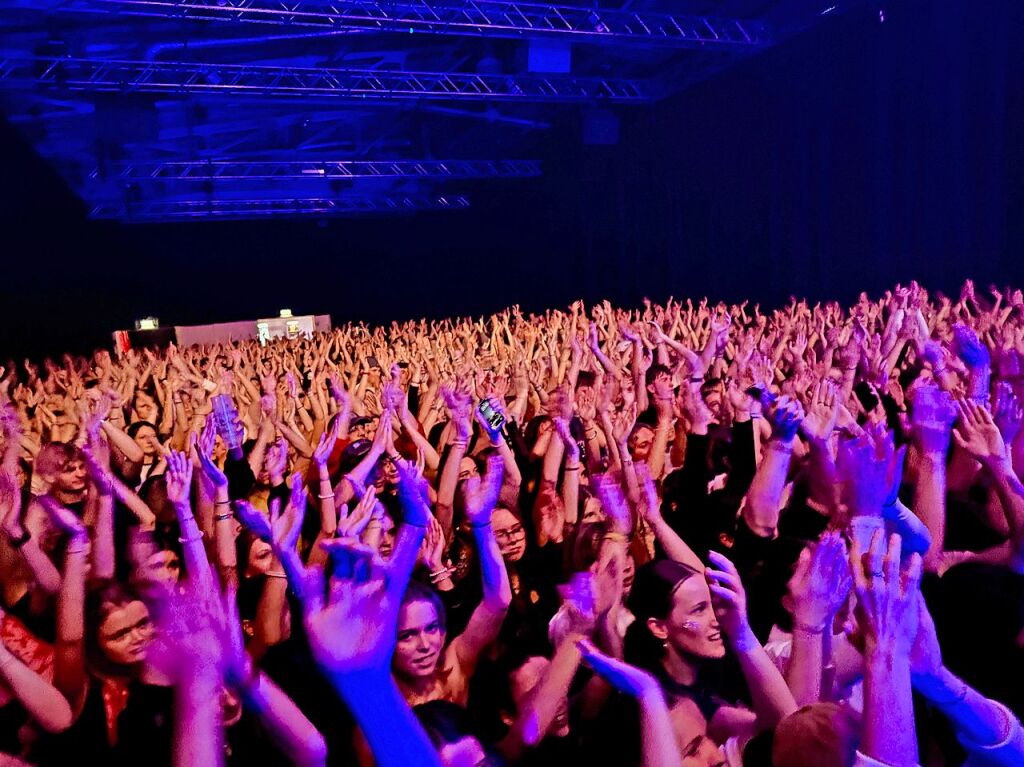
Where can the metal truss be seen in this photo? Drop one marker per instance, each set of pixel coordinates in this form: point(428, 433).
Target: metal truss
point(173, 210)
point(226, 170)
point(500, 18)
point(79, 74)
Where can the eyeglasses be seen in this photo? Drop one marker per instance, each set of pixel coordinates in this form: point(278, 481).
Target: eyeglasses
point(513, 533)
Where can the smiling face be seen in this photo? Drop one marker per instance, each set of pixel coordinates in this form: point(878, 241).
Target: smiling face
point(420, 640)
point(691, 628)
point(125, 634)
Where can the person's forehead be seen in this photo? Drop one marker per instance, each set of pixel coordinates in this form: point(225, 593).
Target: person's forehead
point(125, 615)
point(417, 614)
point(502, 517)
point(691, 591)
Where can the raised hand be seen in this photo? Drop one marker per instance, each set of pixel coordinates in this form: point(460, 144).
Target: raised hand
point(977, 433)
point(353, 631)
point(494, 434)
point(932, 413)
point(254, 521)
point(729, 599)
point(969, 348)
point(481, 493)
point(571, 446)
point(1007, 412)
point(204, 451)
point(580, 603)
point(613, 504)
point(325, 446)
point(433, 547)
point(65, 520)
point(822, 412)
point(191, 634)
point(413, 493)
point(785, 416)
point(820, 583)
point(352, 525)
point(870, 469)
point(887, 593)
point(276, 460)
point(178, 477)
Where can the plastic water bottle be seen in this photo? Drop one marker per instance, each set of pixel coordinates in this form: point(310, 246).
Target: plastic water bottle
point(224, 414)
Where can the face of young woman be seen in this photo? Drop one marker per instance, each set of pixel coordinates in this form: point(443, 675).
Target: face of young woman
point(261, 556)
point(467, 469)
point(509, 533)
point(146, 439)
point(420, 641)
point(125, 634)
point(640, 443)
point(163, 567)
point(691, 628)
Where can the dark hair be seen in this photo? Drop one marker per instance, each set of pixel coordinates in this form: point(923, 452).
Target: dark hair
point(651, 597)
point(586, 545)
point(101, 600)
point(419, 592)
point(654, 371)
point(136, 427)
point(585, 378)
point(532, 431)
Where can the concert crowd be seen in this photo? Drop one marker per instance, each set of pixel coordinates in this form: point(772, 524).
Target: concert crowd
point(681, 535)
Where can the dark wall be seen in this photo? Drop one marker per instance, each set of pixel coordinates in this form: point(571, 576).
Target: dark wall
point(855, 155)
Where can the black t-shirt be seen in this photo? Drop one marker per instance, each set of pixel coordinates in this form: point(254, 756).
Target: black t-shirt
point(145, 731)
point(765, 566)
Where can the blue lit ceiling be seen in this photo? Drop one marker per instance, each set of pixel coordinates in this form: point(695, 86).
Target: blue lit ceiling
point(184, 109)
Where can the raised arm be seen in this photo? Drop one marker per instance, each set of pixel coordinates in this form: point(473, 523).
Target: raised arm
point(41, 700)
point(352, 633)
point(763, 501)
point(978, 434)
point(931, 417)
point(818, 588)
point(485, 622)
point(659, 746)
point(179, 484)
point(771, 697)
point(887, 597)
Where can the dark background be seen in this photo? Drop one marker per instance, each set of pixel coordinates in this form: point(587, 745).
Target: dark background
point(853, 156)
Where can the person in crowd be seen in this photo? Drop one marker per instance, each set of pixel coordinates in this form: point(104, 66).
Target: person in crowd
point(680, 535)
